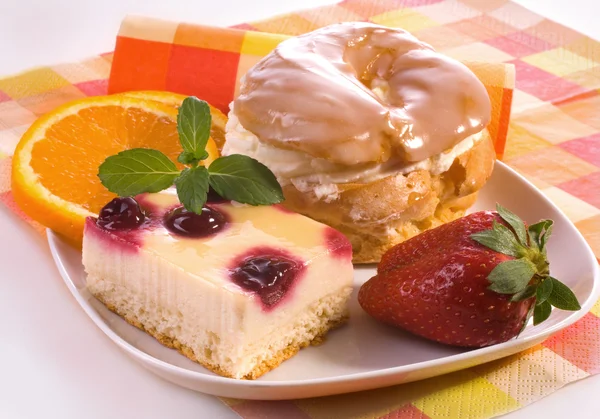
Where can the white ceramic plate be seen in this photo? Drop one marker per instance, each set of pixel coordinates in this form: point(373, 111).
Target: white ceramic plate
point(363, 354)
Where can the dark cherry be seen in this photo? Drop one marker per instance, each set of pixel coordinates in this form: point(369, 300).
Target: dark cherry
point(121, 214)
point(214, 197)
point(186, 223)
point(268, 276)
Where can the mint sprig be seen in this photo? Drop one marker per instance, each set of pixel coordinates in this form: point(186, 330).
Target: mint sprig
point(138, 170)
point(235, 177)
point(192, 188)
point(241, 177)
point(193, 126)
point(528, 274)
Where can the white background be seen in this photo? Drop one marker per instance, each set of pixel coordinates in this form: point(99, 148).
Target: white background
point(53, 360)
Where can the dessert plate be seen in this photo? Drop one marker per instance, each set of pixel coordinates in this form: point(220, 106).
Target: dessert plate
point(363, 354)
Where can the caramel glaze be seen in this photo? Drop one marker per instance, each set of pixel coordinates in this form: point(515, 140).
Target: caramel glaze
point(358, 92)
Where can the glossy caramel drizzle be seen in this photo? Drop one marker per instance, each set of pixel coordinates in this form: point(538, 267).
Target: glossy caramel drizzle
point(358, 92)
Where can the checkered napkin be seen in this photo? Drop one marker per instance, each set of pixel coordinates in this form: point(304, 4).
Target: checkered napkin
point(553, 139)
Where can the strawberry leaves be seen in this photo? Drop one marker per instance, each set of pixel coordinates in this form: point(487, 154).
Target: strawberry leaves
point(562, 297)
point(512, 276)
point(541, 312)
point(527, 275)
point(539, 233)
point(515, 222)
point(552, 292)
point(543, 291)
point(501, 239)
point(527, 317)
point(525, 294)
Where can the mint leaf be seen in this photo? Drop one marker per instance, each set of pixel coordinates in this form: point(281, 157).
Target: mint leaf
point(135, 171)
point(192, 188)
point(515, 222)
point(185, 157)
point(500, 239)
point(193, 126)
point(562, 297)
point(544, 290)
point(511, 276)
point(241, 178)
point(541, 312)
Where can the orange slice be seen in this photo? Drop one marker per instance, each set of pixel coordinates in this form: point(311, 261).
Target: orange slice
point(219, 119)
point(55, 165)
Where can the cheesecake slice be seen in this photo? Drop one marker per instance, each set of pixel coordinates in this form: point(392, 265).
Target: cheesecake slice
point(238, 289)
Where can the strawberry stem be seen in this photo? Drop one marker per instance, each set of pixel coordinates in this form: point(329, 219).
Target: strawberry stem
point(528, 274)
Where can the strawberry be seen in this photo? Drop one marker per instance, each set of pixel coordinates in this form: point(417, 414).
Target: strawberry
point(472, 282)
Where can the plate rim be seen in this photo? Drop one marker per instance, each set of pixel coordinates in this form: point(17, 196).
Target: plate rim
point(507, 348)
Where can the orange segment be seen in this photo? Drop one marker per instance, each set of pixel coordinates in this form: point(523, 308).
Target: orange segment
point(85, 139)
point(55, 166)
point(219, 119)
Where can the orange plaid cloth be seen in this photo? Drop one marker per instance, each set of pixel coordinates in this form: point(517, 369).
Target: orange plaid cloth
point(553, 139)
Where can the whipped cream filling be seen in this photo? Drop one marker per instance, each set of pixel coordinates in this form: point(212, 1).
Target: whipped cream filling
point(322, 176)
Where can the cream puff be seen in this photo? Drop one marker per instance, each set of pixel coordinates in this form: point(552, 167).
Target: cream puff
point(368, 130)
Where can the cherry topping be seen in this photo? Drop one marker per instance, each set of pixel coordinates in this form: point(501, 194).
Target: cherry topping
point(186, 223)
point(270, 276)
point(214, 197)
point(121, 214)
